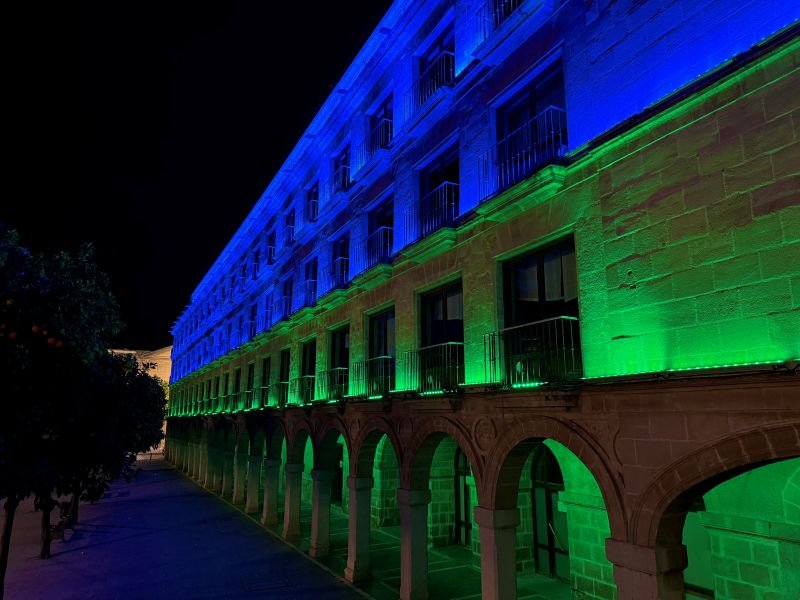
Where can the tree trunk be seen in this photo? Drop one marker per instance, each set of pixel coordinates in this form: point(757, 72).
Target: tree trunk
point(73, 508)
point(5, 543)
point(47, 508)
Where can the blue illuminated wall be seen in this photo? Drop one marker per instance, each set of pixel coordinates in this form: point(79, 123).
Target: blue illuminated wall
point(618, 58)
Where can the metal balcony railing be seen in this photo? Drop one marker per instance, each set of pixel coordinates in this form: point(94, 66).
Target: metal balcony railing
point(374, 377)
point(543, 352)
point(302, 389)
point(492, 14)
point(379, 246)
point(333, 384)
point(440, 72)
point(282, 308)
point(436, 369)
point(337, 274)
point(281, 394)
point(310, 295)
point(263, 397)
point(224, 405)
point(438, 208)
point(341, 179)
point(540, 141)
point(312, 209)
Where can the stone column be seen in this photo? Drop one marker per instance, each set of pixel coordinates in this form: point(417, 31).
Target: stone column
point(215, 467)
point(320, 513)
point(358, 525)
point(644, 573)
point(203, 476)
point(498, 534)
point(239, 477)
point(269, 516)
point(413, 543)
point(253, 469)
point(227, 473)
point(196, 461)
point(291, 507)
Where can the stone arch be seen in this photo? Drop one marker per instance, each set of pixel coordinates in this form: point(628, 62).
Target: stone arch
point(326, 438)
point(659, 516)
point(416, 466)
point(258, 441)
point(274, 438)
point(365, 444)
point(505, 464)
point(296, 441)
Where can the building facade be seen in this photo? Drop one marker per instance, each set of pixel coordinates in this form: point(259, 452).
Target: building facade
point(521, 311)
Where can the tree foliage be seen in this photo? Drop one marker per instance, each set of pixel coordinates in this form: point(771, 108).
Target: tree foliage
point(73, 415)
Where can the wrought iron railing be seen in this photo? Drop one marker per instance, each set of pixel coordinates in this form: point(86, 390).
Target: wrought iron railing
point(540, 141)
point(492, 14)
point(336, 275)
point(341, 179)
point(438, 208)
point(379, 246)
point(374, 377)
point(543, 352)
point(333, 384)
point(310, 295)
point(441, 72)
point(302, 389)
point(436, 369)
point(282, 308)
point(281, 394)
point(263, 396)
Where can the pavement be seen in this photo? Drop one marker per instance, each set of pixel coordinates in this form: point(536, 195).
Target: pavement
point(162, 536)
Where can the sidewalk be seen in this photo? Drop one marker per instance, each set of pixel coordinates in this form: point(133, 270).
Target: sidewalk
point(161, 536)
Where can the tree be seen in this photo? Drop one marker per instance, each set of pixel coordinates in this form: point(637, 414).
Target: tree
point(74, 416)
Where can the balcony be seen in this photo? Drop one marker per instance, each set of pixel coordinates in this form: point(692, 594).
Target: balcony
point(263, 396)
point(302, 389)
point(535, 354)
point(439, 73)
point(379, 246)
point(379, 138)
point(341, 179)
point(282, 309)
point(310, 292)
point(374, 377)
point(282, 394)
point(337, 274)
point(438, 208)
point(333, 383)
point(436, 369)
point(540, 141)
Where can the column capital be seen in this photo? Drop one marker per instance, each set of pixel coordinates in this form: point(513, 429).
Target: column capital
point(413, 497)
point(360, 483)
point(294, 467)
point(497, 518)
point(645, 559)
point(321, 475)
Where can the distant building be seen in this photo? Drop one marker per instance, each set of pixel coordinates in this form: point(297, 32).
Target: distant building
point(520, 313)
point(160, 362)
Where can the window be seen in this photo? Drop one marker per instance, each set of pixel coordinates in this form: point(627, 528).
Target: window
point(341, 170)
point(531, 128)
point(502, 9)
point(282, 395)
point(236, 401)
point(541, 285)
point(312, 203)
point(253, 322)
point(438, 186)
point(436, 68)
point(308, 369)
point(381, 234)
point(256, 262)
point(289, 224)
point(379, 369)
point(541, 340)
point(266, 368)
point(380, 126)
point(441, 357)
point(271, 247)
point(335, 382)
point(340, 262)
point(311, 282)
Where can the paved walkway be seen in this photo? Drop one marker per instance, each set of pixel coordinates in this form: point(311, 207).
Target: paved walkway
point(162, 536)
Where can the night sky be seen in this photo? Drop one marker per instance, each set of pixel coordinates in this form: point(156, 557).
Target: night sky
point(186, 110)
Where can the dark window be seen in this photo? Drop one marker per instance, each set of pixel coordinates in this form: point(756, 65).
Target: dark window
point(256, 262)
point(271, 247)
point(443, 316)
point(308, 365)
point(436, 68)
point(381, 335)
point(341, 170)
point(251, 376)
point(283, 378)
point(289, 224)
point(380, 126)
point(439, 193)
point(312, 203)
point(503, 9)
point(541, 285)
point(340, 262)
point(340, 348)
point(381, 234)
point(311, 282)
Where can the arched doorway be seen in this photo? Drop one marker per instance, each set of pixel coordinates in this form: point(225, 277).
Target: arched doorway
point(550, 532)
point(463, 501)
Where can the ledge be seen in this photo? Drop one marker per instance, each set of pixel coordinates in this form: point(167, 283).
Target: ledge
point(524, 195)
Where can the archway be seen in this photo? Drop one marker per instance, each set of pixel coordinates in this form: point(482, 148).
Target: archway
point(553, 504)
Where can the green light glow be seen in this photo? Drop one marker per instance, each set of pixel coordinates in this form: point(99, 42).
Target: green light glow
point(532, 384)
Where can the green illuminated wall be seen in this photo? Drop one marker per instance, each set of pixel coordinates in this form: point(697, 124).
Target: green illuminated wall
point(386, 477)
point(754, 534)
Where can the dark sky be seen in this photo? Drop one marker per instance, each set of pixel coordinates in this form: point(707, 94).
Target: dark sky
point(185, 111)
